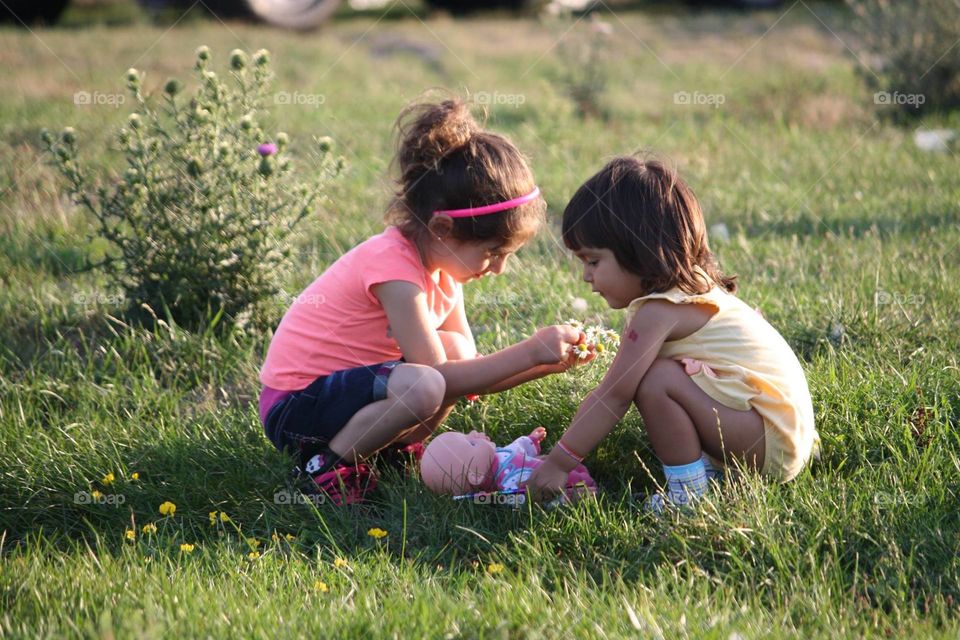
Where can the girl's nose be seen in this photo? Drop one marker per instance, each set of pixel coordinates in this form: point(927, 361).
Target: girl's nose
point(497, 266)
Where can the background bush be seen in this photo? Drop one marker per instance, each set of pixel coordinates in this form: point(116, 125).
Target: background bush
point(912, 50)
point(198, 223)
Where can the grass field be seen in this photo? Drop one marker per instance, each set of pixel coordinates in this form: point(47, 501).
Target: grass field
point(842, 232)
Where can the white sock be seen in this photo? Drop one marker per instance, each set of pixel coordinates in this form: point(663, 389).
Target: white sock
point(713, 472)
point(685, 483)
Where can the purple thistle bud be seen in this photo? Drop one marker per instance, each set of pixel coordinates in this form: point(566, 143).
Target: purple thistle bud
point(267, 149)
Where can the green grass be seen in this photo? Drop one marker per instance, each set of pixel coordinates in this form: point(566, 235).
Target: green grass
point(842, 232)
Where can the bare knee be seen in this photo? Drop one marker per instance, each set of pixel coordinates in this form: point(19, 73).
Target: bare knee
point(657, 380)
point(419, 388)
point(457, 346)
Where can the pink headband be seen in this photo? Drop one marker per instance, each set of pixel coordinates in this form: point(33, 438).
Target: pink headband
point(490, 208)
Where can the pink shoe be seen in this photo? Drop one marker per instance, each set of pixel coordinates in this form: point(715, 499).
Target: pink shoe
point(345, 484)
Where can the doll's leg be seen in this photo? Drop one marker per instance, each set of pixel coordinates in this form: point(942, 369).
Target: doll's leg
point(682, 421)
point(456, 347)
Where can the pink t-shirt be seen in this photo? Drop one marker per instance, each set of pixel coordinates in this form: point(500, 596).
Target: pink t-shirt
point(337, 323)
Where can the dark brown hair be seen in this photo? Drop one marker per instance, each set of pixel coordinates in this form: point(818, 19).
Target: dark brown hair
point(447, 161)
point(650, 219)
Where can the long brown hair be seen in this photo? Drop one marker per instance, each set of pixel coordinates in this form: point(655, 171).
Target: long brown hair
point(650, 219)
point(447, 161)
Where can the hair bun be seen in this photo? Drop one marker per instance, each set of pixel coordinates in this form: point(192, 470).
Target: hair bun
point(427, 132)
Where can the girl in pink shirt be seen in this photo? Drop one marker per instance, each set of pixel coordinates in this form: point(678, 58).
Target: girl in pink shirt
point(377, 350)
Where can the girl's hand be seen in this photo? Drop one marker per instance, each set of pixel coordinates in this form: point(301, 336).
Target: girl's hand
point(552, 344)
point(573, 359)
point(547, 481)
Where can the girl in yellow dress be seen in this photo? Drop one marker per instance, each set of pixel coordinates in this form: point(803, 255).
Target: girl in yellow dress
point(713, 381)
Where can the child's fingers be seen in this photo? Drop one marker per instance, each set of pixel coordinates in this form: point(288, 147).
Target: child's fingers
point(572, 335)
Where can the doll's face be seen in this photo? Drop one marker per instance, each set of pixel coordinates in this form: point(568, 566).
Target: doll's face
point(457, 463)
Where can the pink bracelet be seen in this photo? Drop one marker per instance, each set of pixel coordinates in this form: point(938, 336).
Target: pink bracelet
point(568, 451)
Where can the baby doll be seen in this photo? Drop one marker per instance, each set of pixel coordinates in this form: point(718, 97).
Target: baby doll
point(457, 463)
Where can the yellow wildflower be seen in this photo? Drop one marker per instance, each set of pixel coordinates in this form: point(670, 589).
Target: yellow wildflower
point(275, 537)
point(130, 534)
point(96, 495)
point(107, 479)
point(213, 517)
point(290, 537)
point(186, 547)
point(168, 508)
point(149, 528)
point(340, 563)
point(224, 517)
point(253, 542)
point(253, 555)
point(135, 475)
point(494, 567)
point(377, 533)
point(321, 586)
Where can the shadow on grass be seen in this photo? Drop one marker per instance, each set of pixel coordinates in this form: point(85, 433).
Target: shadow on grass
point(886, 224)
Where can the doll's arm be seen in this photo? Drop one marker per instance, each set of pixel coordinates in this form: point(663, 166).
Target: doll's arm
point(525, 445)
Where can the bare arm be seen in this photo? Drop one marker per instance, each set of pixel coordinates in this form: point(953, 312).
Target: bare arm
point(607, 404)
point(457, 322)
point(406, 307)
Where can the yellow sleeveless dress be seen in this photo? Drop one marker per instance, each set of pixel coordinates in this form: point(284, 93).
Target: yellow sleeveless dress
point(747, 364)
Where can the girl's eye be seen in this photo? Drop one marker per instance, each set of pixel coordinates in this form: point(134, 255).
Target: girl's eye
point(592, 263)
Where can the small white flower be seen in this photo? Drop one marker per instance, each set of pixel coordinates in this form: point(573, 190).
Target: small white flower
point(720, 232)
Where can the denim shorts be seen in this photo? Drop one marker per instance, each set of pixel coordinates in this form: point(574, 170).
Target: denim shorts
point(306, 420)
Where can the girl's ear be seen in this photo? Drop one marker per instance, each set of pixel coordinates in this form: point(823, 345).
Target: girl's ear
point(440, 226)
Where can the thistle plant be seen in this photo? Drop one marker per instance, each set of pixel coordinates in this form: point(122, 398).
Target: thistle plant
point(197, 224)
point(584, 75)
